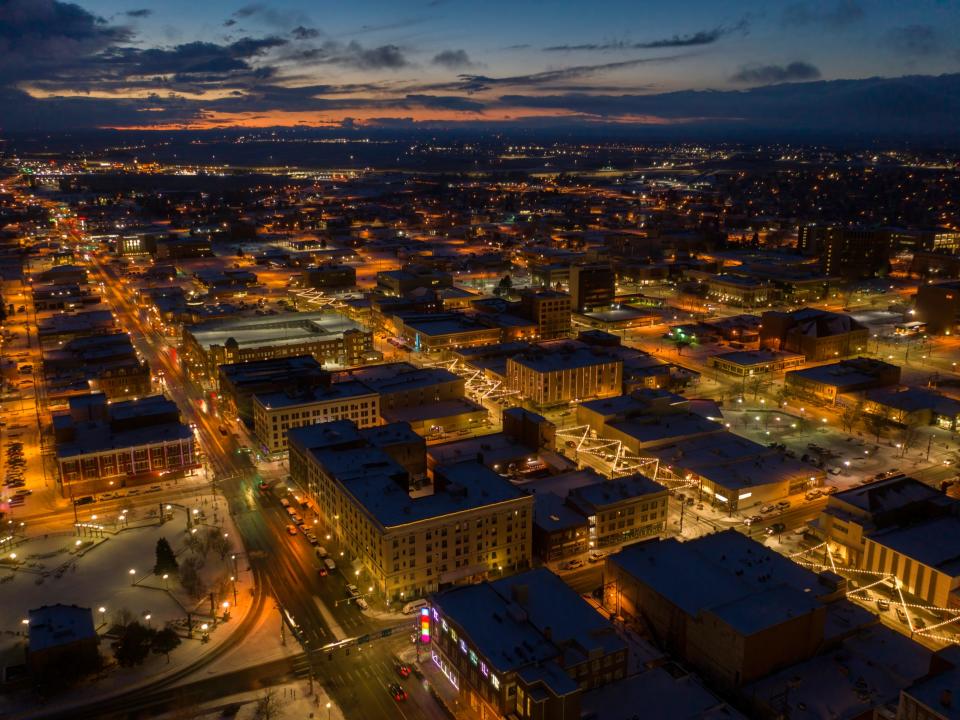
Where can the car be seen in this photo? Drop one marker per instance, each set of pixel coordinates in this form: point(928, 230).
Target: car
point(153, 489)
point(573, 564)
point(86, 500)
point(321, 552)
point(353, 591)
point(322, 572)
point(834, 471)
point(813, 494)
point(22, 492)
point(883, 604)
point(901, 615)
point(223, 431)
point(752, 519)
point(311, 538)
point(362, 604)
point(783, 504)
point(776, 529)
point(402, 670)
point(690, 502)
point(397, 692)
point(767, 509)
point(292, 529)
point(919, 623)
point(596, 556)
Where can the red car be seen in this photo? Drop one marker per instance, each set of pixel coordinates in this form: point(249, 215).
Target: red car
point(399, 694)
point(322, 572)
point(403, 670)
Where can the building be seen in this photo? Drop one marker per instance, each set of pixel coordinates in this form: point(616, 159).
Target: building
point(739, 290)
point(274, 413)
point(61, 637)
point(816, 334)
point(329, 277)
point(557, 372)
point(923, 556)
point(825, 383)
point(61, 328)
point(103, 363)
point(406, 534)
point(848, 252)
point(912, 406)
point(549, 309)
point(402, 385)
point(852, 515)
point(732, 473)
point(239, 382)
point(935, 695)
point(101, 446)
point(938, 305)
point(727, 606)
point(411, 277)
point(591, 286)
point(436, 332)
point(330, 338)
point(749, 363)
point(581, 510)
point(526, 647)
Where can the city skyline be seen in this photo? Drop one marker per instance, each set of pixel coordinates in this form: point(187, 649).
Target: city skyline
point(109, 64)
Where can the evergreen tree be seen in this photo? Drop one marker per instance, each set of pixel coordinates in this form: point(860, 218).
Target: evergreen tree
point(166, 560)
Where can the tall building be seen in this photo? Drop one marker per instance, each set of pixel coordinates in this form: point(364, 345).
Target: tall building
point(854, 253)
point(549, 309)
point(938, 305)
point(560, 371)
point(591, 286)
point(404, 533)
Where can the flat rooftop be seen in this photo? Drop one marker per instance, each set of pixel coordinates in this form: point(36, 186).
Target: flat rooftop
point(280, 329)
point(314, 396)
point(934, 543)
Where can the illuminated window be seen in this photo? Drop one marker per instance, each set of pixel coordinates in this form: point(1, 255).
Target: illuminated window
point(484, 670)
point(495, 681)
point(473, 657)
point(463, 646)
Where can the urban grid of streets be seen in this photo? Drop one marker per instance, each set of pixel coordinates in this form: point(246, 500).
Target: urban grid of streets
point(285, 572)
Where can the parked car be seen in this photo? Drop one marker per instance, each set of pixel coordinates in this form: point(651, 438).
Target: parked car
point(776, 529)
point(573, 564)
point(292, 529)
point(596, 556)
point(883, 604)
point(767, 509)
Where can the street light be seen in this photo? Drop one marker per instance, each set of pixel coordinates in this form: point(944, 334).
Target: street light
point(132, 572)
point(328, 711)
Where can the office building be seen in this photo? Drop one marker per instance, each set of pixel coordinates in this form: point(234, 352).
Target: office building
point(239, 382)
point(549, 309)
point(101, 446)
point(559, 371)
point(740, 290)
point(436, 332)
point(329, 277)
point(750, 363)
point(591, 286)
point(938, 305)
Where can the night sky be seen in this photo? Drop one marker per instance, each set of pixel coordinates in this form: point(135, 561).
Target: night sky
point(204, 63)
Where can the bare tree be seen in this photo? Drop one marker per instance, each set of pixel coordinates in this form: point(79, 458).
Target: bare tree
point(269, 706)
point(190, 576)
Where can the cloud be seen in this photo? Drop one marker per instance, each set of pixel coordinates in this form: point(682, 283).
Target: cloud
point(37, 37)
point(915, 40)
point(476, 83)
point(270, 16)
point(141, 13)
point(355, 55)
point(838, 16)
point(304, 33)
point(447, 102)
point(701, 37)
point(452, 59)
point(770, 74)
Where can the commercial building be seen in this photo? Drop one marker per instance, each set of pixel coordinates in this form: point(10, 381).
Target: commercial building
point(579, 510)
point(239, 382)
point(825, 383)
point(849, 517)
point(912, 406)
point(329, 277)
point(101, 446)
point(411, 277)
point(740, 291)
point(591, 286)
point(732, 473)
point(815, 334)
point(748, 363)
point(938, 305)
point(328, 337)
point(103, 363)
point(557, 372)
point(923, 556)
point(274, 413)
point(728, 606)
point(435, 332)
point(526, 646)
point(549, 309)
point(60, 328)
point(405, 533)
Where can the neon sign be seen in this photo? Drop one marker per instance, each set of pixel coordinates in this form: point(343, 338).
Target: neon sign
point(424, 626)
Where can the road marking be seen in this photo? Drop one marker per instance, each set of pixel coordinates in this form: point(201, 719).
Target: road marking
point(331, 621)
